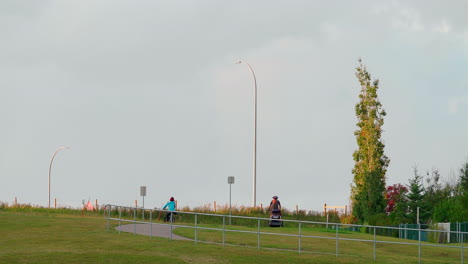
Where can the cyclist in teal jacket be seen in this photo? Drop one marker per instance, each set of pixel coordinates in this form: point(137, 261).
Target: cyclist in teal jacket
point(171, 207)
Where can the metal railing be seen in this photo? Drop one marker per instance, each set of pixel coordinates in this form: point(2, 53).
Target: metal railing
point(303, 232)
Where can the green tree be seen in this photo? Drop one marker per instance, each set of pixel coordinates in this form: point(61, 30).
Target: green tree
point(416, 198)
point(451, 210)
point(455, 209)
point(435, 192)
point(463, 180)
point(368, 188)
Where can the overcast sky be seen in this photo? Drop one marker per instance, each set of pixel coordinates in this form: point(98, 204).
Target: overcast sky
point(147, 93)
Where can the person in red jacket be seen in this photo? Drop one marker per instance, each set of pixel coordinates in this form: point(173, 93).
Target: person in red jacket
point(275, 206)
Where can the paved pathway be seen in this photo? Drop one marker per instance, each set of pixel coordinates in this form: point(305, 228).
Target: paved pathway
point(159, 230)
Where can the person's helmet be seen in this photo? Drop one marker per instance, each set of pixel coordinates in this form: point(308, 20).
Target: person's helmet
point(172, 199)
point(275, 197)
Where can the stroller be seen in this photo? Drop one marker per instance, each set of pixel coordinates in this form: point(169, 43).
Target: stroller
point(275, 219)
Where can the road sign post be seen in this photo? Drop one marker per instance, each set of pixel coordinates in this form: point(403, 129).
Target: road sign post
point(143, 194)
point(230, 182)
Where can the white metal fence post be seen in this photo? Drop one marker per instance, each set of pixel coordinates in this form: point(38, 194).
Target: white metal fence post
point(108, 217)
point(134, 221)
point(171, 223)
point(196, 229)
point(151, 223)
point(375, 241)
point(224, 229)
point(120, 217)
point(419, 243)
point(258, 235)
point(299, 237)
point(336, 227)
point(462, 248)
point(399, 231)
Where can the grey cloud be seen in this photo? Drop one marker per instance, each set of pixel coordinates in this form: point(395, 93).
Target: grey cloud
point(147, 93)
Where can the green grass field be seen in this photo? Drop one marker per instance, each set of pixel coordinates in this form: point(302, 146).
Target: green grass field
point(50, 236)
point(348, 249)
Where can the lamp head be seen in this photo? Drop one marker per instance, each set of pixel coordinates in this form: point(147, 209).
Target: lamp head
point(239, 62)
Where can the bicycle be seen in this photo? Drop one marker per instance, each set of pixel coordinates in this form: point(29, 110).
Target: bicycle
point(170, 217)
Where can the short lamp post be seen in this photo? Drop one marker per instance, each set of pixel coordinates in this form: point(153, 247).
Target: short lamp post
point(230, 182)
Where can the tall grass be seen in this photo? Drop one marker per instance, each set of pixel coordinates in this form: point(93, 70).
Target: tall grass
point(220, 216)
point(138, 213)
point(35, 209)
point(302, 215)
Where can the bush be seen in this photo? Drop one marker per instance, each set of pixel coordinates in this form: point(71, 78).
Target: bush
point(451, 210)
point(348, 219)
point(380, 219)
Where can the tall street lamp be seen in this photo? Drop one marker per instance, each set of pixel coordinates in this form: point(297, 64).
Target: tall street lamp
point(50, 166)
point(254, 197)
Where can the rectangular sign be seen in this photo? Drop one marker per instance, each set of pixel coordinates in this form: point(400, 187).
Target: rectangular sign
point(143, 191)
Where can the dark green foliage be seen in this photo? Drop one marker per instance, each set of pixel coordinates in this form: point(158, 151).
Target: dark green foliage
point(400, 214)
point(416, 198)
point(380, 219)
point(454, 208)
point(437, 202)
point(463, 180)
point(451, 210)
point(367, 190)
point(435, 192)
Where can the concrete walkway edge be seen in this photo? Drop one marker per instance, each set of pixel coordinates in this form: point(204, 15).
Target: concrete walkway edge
point(159, 230)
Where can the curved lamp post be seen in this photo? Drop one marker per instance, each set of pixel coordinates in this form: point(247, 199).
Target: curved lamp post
point(50, 166)
point(254, 198)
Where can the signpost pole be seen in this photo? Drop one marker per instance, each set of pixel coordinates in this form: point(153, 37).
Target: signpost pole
point(230, 181)
point(143, 194)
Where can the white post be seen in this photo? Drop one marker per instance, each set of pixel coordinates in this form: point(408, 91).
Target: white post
point(336, 226)
point(196, 228)
point(258, 234)
point(375, 242)
point(419, 243)
point(134, 221)
point(120, 218)
point(224, 229)
point(462, 249)
point(151, 223)
point(417, 215)
point(300, 238)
